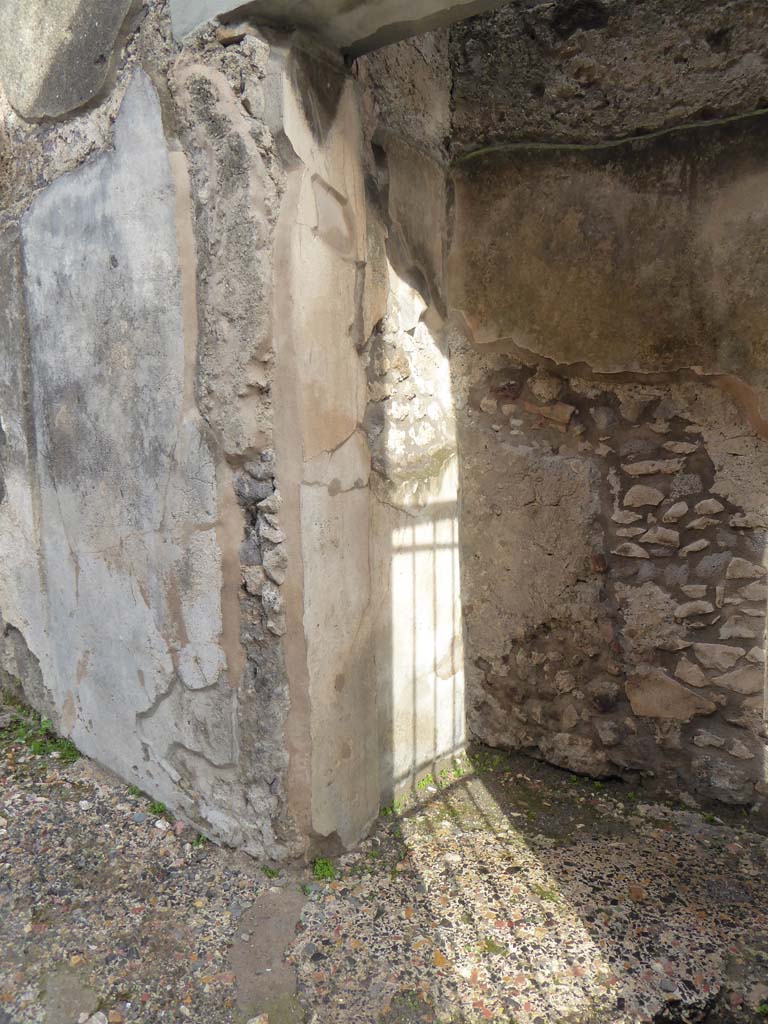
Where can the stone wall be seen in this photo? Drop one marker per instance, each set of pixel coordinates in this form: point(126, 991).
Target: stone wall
point(616, 615)
point(611, 387)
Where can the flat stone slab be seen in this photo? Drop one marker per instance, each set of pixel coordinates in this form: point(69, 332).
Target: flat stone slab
point(55, 54)
point(355, 27)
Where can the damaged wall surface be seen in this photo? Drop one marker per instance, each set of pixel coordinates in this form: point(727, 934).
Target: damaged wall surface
point(609, 370)
point(216, 499)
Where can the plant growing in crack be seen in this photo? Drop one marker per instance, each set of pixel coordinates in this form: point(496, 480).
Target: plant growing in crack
point(323, 869)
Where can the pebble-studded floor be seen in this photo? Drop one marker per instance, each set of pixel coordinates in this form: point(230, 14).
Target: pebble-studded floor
point(506, 891)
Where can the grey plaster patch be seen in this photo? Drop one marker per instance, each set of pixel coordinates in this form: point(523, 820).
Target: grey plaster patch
point(689, 287)
point(130, 568)
point(55, 54)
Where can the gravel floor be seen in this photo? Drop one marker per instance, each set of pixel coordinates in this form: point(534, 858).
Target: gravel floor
point(506, 891)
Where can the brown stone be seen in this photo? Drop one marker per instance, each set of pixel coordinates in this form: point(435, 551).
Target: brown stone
point(702, 523)
point(641, 494)
point(630, 550)
point(625, 517)
point(697, 545)
point(741, 569)
point(690, 673)
point(738, 629)
point(717, 656)
point(680, 447)
point(654, 694)
point(746, 680)
point(661, 535)
point(708, 507)
point(652, 467)
point(558, 412)
point(675, 512)
point(690, 608)
point(576, 753)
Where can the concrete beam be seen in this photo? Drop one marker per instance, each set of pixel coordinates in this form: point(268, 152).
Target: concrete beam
point(355, 28)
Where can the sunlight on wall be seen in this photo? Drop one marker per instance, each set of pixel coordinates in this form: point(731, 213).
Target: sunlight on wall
point(418, 447)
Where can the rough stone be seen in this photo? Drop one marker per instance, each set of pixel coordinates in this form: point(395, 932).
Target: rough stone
point(675, 512)
point(661, 535)
point(717, 656)
point(575, 753)
point(654, 694)
point(723, 780)
point(641, 495)
point(679, 447)
point(741, 569)
point(608, 733)
point(745, 680)
point(703, 738)
point(55, 55)
point(738, 629)
point(694, 547)
point(545, 386)
point(651, 467)
point(630, 550)
point(754, 592)
point(626, 517)
point(708, 507)
point(741, 751)
point(690, 608)
point(702, 523)
point(590, 73)
point(690, 673)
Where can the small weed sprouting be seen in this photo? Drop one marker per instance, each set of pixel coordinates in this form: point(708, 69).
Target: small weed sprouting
point(306, 888)
point(38, 737)
point(599, 786)
point(134, 791)
point(199, 840)
point(323, 869)
point(426, 781)
point(710, 819)
point(763, 1009)
point(157, 808)
point(269, 872)
point(396, 807)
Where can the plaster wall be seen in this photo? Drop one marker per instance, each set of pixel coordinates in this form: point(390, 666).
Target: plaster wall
point(207, 589)
point(139, 507)
point(372, 628)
